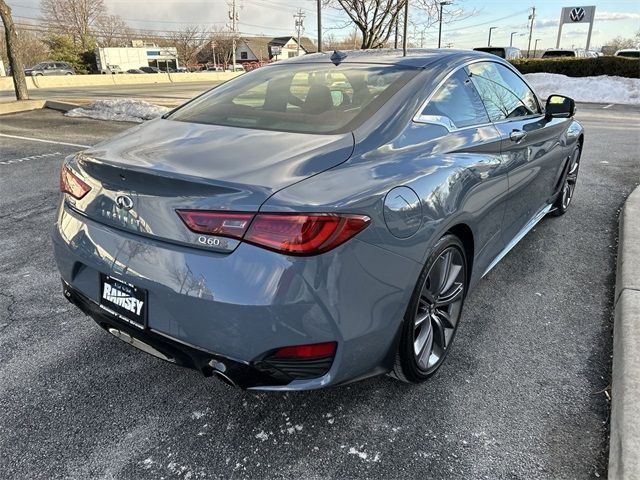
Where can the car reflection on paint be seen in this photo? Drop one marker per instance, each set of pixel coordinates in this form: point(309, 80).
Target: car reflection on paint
point(315, 221)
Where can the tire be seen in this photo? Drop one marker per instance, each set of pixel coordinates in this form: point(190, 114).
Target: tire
point(433, 314)
point(561, 205)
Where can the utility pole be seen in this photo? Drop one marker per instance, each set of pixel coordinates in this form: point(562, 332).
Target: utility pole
point(15, 62)
point(299, 17)
point(319, 3)
point(532, 19)
point(404, 30)
point(233, 16)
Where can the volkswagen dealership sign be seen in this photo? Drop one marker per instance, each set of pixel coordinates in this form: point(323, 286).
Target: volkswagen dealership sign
point(577, 15)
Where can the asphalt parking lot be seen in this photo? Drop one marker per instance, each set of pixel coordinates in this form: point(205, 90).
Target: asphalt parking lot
point(523, 393)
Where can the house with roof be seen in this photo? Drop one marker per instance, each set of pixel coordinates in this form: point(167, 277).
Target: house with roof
point(264, 49)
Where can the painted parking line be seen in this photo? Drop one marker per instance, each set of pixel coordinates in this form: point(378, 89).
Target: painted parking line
point(608, 106)
point(43, 141)
point(32, 157)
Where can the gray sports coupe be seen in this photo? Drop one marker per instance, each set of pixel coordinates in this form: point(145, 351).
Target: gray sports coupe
point(315, 221)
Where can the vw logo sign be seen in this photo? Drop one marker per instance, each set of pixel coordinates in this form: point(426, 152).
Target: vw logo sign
point(124, 201)
point(577, 14)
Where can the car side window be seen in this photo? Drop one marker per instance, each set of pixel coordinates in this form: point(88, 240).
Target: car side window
point(457, 100)
point(504, 94)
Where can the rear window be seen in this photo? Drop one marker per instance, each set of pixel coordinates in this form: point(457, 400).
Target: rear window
point(631, 54)
point(494, 51)
point(302, 98)
point(559, 53)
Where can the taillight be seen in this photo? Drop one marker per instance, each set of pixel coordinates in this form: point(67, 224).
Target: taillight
point(216, 223)
point(316, 350)
point(72, 184)
point(298, 234)
point(295, 234)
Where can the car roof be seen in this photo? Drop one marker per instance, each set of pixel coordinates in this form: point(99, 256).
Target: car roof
point(416, 57)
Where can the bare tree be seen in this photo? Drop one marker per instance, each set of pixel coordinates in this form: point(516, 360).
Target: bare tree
point(112, 31)
point(375, 19)
point(218, 48)
point(73, 18)
point(30, 48)
point(15, 62)
point(188, 42)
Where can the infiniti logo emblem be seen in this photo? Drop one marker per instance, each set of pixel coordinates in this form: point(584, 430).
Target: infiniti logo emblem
point(124, 201)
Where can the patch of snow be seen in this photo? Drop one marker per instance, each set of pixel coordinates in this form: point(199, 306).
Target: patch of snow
point(601, 89)
point(119, 110)
point(362, 455)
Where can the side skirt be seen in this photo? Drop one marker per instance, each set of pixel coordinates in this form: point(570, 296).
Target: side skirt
point(521, 234)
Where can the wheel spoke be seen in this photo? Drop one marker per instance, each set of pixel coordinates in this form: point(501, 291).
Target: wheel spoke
point(445, 318)
point(453, 295)
point(420, 318)
point(439, 337)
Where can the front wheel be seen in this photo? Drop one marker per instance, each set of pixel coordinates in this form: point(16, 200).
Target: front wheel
point(561, 204)
point(434, 311)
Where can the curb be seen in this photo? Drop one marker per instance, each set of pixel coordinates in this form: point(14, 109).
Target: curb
point(17, 106)
point(27, 105)
point(624, 460)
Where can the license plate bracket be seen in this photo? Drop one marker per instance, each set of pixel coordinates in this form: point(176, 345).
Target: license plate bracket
point(124, 300)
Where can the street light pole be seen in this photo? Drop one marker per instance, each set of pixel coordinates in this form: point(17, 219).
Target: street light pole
point(319, 26)
point(490, 30)
point(405, 28)
point(442, 4)
point(511, 41)
point(535, 48)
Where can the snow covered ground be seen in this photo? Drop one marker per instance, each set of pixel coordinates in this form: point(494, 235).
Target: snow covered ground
point(602, 89)
point(122, 110)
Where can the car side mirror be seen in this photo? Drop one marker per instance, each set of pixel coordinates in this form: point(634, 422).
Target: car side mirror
point(559, 106)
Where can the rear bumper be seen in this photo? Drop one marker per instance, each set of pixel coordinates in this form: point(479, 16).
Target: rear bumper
point(243, 375)
point(235, 308)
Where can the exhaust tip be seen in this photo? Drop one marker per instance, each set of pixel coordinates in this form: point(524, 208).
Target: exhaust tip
point(224, 378)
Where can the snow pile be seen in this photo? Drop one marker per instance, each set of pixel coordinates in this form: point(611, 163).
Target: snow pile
point(120, 110)
point(602, 89)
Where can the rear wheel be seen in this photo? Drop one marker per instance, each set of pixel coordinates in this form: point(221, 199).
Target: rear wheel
point(432, 318)
point(561, 205)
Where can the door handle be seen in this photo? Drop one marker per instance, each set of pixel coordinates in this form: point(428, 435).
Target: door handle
point(517, 135)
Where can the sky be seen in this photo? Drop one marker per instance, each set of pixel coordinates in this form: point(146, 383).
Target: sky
point(470, 29)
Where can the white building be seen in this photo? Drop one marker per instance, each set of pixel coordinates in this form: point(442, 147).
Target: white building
point(135, 57)
point(256, 49)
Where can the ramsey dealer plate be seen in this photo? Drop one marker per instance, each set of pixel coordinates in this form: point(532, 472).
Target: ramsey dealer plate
point(124, 300)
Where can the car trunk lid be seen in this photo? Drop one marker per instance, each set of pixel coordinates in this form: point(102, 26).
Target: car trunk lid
point(139, 179)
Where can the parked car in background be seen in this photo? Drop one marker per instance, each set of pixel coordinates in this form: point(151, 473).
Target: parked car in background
point(239, 68)
point(150, 69)
point(112, 69)
point(135, 71)
point(509, 53)
point(563, 52)
point(629, 53)
point(214, 69)
point(280, 234)
point(50, 68)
